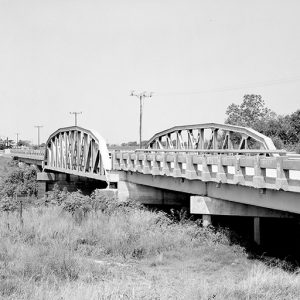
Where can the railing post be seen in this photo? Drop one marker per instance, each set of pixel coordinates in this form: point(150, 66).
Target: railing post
point(125, 161)
point(133, 161)
point(166, 169)
point(138, 166)
point(222, 171)
point(146, 167)
point(205, 174)
point(259, 174)
point(113, 160)
point(129, 162)
point(190, 171)
point(121, 161)
point(155, 168)
point(282, 176)
point(177, 172)
point(238, 177)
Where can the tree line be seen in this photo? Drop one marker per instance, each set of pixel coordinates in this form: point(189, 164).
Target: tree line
point(284, 130)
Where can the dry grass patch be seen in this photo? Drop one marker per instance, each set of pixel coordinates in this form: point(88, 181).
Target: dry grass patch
point(128, 253)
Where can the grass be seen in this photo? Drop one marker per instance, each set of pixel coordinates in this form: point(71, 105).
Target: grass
point(130, 253)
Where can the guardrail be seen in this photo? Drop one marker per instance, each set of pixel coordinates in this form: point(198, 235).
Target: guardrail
point(239, 167)
point(28, 153)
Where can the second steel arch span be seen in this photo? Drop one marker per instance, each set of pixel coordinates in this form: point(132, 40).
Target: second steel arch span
point(193, 137)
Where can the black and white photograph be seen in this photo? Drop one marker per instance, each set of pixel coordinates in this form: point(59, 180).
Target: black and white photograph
point(149, 149)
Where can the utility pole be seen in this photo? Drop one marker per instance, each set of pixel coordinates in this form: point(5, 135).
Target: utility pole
point(141, 96)
point(75, 113)
point(38, 128)
point(17, 139)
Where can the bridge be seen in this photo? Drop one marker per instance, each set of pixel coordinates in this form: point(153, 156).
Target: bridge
point(213, 169)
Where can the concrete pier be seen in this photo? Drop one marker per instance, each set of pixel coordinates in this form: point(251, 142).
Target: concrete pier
point(257, 230)
point(206, 220)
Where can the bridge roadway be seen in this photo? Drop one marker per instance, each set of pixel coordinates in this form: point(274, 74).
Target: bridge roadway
point(216, 176)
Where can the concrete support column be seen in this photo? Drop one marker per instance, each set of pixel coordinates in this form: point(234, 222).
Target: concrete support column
point(206, 220)
point(257, 230)
point(41, 189)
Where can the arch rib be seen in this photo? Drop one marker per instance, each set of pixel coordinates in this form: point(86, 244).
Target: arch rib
point(215, 142)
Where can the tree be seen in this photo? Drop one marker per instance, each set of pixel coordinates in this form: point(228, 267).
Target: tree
point(283, 130)
point(251, 113)
point(18, 180)
point(295, 122)
point(23, 143)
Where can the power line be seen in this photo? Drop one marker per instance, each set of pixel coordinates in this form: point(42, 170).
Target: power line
point(17, 133)
point(75, 113)
point(38, 130)
point(232, 88)
point(141, 96)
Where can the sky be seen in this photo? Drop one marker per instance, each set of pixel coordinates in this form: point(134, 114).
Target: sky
point(196, 56)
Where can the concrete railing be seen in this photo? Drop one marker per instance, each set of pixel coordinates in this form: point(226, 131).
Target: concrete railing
point(28, 153)
point(239, 167)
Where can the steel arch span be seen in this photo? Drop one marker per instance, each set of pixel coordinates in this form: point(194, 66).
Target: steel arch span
point(210, 136)
point(78, 151)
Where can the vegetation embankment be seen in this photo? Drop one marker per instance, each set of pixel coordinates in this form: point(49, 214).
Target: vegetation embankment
point(70, 246)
